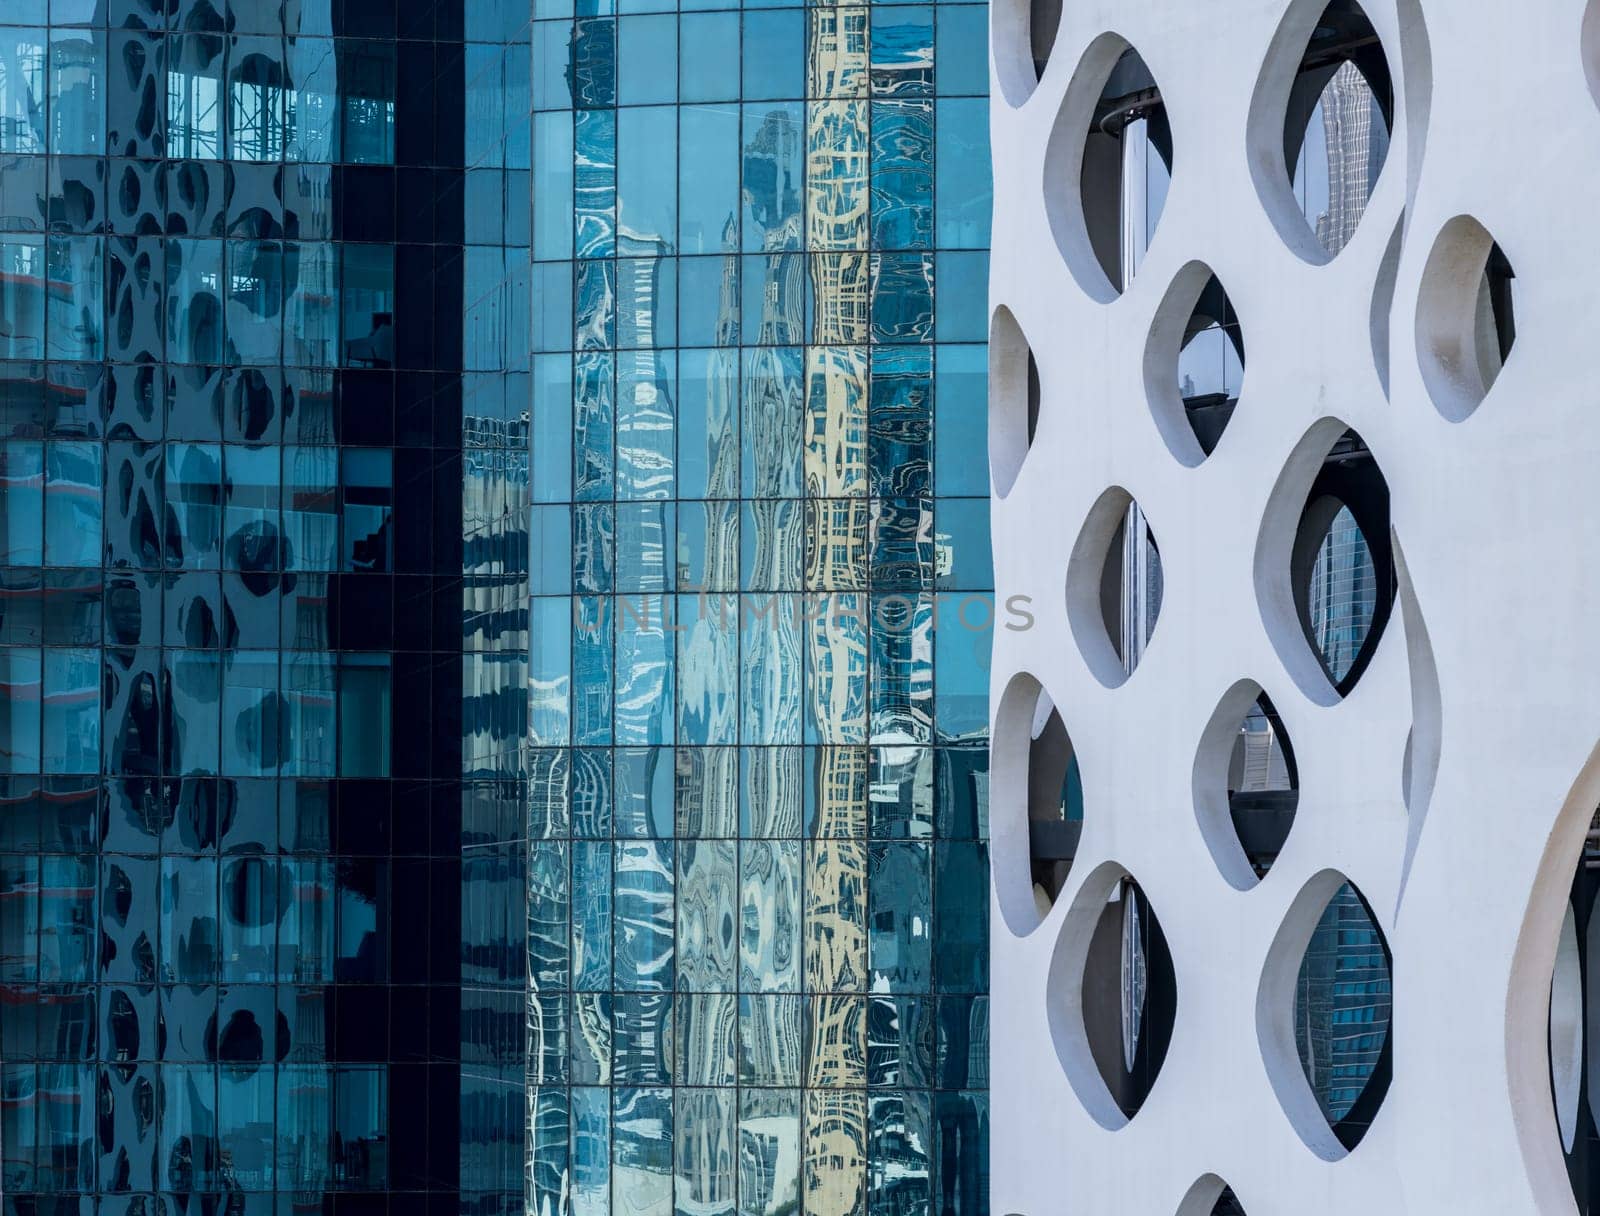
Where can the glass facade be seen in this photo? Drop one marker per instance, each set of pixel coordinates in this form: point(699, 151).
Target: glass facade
point(754, 856)
point(231, 372)
point(494, 607)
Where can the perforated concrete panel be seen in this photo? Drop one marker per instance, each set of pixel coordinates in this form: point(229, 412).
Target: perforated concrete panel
point(1453, 784)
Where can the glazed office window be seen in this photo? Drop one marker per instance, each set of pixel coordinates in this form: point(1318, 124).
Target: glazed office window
point(311, 99)
point(71, 719)
point(250, 526)
point(311, 305)
point(253, 308)
point(311, 511)
point(195, 96)
point(192, 523)
point(194, 301)
point(256, 98)
point(22, 297)
point(74, 297)
point(194, 683)
point(368, 295)
point(77, 92)
point(487, 112)
point(22, 674)
point(367, 481)
point(367, 85)
point(23, 103)
point(364, 710)
point(310, 719)
point(252, 734)
point(22, 483)
point(72, 505)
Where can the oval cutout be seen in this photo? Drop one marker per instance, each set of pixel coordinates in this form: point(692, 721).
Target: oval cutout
point(1015, 396)
point(1024, 33)
point(1228, 1204)
point(1194, 365)
point(1466, 317)
point(1129, 1036)
point(1333, 566)
point(1114, 587)
point(1566, 1031)
point(1320, 125)
point(1113, 996)
point(1055, 805)
point(1211, 1196)
point(1108, 167)
point(1323, 1013)
point(1036, 798)
point(1589, 41)
point(1246, 785)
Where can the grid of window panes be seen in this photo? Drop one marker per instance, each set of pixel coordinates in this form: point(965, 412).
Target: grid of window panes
point(230, 502)
point(1343, 594)
point(1344, 1001)
point(496, 392)
point(757, 876)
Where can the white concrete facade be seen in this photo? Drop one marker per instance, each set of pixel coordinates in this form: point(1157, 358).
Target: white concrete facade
point(1488, 675)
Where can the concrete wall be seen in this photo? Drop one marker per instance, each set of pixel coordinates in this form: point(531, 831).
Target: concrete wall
point(1488, 674)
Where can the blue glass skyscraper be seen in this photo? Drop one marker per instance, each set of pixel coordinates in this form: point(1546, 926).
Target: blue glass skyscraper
point(494, 606)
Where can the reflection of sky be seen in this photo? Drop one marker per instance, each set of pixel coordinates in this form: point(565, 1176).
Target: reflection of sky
point(1311, 170)
point(961, 657)
point(1209, 364)
point(1158, 180)
point(1333, 181)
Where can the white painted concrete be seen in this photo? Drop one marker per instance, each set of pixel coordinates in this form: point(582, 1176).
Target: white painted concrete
point(1491, 664)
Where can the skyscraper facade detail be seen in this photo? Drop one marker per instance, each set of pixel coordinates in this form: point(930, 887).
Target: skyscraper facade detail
point(495, 606)
point(760, 611)
point(1293, 775)
point(241, 301)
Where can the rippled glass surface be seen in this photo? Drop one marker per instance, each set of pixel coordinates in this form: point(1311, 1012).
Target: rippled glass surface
point(1343, 1006)
point(759, 385)
point(235, 321)
point(467, 660)
point(1346, 142)
point(1343, 594)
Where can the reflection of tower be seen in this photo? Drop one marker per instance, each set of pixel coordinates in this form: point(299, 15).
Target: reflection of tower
point(836, 1149)
point(1141, 566)
point(837, 216)
point(1343, 594)
point(1134, 978)
point(722, 387)
point(841, 785)
point(775, 282)
point(837, 658)
point(1357, 141)
point(645, 415)
point(771, 191)
point(1141, 581)
point(1258, 762)
point(304, 1080)
point(1141, 589)
point(769, 1146)
point(1342, 1004)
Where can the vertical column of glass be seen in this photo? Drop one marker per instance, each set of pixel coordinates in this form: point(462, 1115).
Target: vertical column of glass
point(733, 481)
point(833, 959)
point(931, 614)
point(572, 530)
point(514, 881)
point(177, 517)
point(1141, 585)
